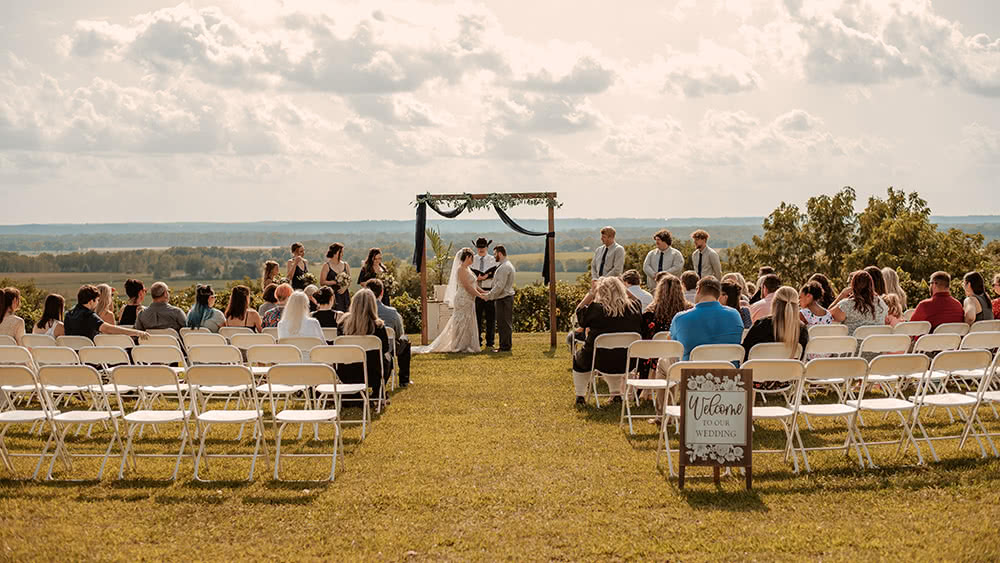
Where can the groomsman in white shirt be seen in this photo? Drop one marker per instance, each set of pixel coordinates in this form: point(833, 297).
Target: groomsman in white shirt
point(485, 310)
point(609, 258)
point(705, 260)
point(663, 258)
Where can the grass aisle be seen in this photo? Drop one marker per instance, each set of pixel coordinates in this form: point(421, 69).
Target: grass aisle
point(485, 457)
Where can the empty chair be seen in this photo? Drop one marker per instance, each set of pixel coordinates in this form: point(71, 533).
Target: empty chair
point(132, 377)
point(984, 394)
point(840, 373)
point(6, 340)
point(161, 356)
point(785, 373)
point(301, 376)
point(607, 342)
point(271, 354)
point(343, 355)
point(985, 326)
point(663, 350)
point(208, 376)
point(820, 331)
point(18, 356)
point(165, 331)
point(863, 332)
point(718, 353)
point(885, 344)
point(913, 328)
point(215, 354)
point(937, 342)
point(33, 341)
point(245, 341)
point(188, 330)
point(161, 340)
point(203, 339)
point(122, 341)
point(228, 332)
point(303, 343)
point(981, 341)
point(960, 329)
point(21, 378)
point(835, 346)
point(106, 357)
point(55, 355)
point(774, 351)
point(74, 342)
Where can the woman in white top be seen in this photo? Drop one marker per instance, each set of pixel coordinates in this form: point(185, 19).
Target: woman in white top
point(11, 324)
point(50, 322)
point(295, 320)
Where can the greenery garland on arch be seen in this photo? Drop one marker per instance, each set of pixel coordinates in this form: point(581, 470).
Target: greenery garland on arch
point(501, 200)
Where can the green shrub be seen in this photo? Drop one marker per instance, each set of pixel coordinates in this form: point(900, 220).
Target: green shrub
point(531, 306)
point(409, 309)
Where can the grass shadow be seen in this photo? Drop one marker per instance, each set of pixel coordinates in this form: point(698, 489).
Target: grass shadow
point(304, 499)
point(719, 499)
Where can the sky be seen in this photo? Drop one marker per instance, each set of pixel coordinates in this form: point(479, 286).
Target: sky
point(139, 110)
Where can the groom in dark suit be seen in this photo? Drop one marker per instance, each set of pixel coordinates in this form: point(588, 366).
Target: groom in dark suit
point(502, 297)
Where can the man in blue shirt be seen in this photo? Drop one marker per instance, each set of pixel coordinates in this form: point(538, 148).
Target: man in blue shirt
point(709, 322)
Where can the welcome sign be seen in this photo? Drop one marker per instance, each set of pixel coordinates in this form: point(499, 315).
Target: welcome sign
point(716, 424)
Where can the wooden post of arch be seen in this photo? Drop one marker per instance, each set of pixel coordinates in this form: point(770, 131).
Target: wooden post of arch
point(550, 241)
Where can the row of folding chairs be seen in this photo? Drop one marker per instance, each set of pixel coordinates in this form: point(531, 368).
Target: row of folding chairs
point(318, 381)
point(237, 336)
point(911, 328)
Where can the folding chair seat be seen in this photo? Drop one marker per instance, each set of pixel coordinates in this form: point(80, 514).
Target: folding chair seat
point(53, 377)
point(133, 377)
point(213, 354)
point(718, 353)
point(203, 339)
point(879, 344)
point(661, 350)
point(153, 355)
point(913, 328)
point(122, 341)
point(344, 354)
point(228, 332)
point(960, 329)
point(840, 373)
point(305, 376)
point(207, 376)
point(30, 341)
point(787, 373)
point(897, 366)
point(863, 332)
point(985, 326)
point(673, 412)
point(976, 341)
point(932, 344)
point(823, 331)
point(22, 379)
point(74, 342)
point(609, 341)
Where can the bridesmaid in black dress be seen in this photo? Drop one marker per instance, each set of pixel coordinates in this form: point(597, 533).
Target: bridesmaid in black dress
point(371, 269)
point(297, 267)
point(333, 267)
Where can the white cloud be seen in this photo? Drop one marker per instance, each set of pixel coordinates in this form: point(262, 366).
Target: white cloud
point(712, 69)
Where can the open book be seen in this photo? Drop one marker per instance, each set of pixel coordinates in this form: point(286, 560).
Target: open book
point(489, 273)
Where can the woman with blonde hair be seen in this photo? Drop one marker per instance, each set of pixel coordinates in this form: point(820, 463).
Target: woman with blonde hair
point(891, 279)
point(607, 308)
point(895, 314)
point(362, 319)
point(296, 322)
point(106, 304)
point(783, 325)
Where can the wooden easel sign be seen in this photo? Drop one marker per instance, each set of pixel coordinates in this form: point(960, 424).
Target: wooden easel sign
point(716, 420)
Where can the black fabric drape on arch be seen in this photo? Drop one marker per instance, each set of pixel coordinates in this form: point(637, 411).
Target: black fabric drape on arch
point(519, 229)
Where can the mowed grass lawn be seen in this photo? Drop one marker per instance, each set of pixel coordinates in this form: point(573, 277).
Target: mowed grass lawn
point(485, 458)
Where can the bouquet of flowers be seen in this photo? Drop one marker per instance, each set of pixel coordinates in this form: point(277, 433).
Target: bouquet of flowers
point(310, 279)
point(343, 280)
point(388, 281)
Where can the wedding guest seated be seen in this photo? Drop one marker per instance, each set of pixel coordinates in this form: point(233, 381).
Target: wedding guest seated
point(106, 303)
point(310, 291)
point(362, 320)
point(768, 285)
point(271, 273)
point(609, 258)
point(941, 307)
point(632, 281)
point(892, 285)
point(996, 302)
point(273, 315)
point(391, 317)
point(741, 283)
point(761, 272)
point(50, 322)
point(730, 297)
point(606, 308)
point(668, 300)
point(895, 314)
point(811, 309)
point(11, 324)
point(690, 281)
point(160, 313)
point(239, 312)
point(829, 294)
point(203, 313)
point(295, 320)
point(324, 312)
point(878, 282)
point(977, 303)
point(136, 292)
point(857, 305)
point(782, 325)
point(82, 320)
point(708, 322)
point(270, 301)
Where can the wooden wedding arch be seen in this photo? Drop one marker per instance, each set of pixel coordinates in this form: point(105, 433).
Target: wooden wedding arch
point(500, 202)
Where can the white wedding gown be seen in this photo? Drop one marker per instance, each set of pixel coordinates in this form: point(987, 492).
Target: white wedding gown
point(461, 334)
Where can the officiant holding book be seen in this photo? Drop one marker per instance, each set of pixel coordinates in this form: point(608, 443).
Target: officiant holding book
point(484, 266)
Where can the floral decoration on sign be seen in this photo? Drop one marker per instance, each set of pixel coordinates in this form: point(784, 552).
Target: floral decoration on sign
point(709, 382)
point(717, 452)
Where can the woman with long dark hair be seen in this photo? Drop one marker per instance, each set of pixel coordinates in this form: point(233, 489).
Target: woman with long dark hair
point(829, 293)
point(136, 291)
point(11, 324)
point(239, 312)
point(858, 305)
point(878, 281)
point(977, 303)
point(371, 269)
point(50, 322)
point(333, 275)
point(204, 314)
point(298, 266)
point(811, 310)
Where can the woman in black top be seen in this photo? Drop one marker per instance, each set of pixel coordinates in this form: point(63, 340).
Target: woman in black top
point(607, 308)
point(782, 326)
point(332, 269)
point(324, 313)
point(298, 267)
point(371, 269)
point(136, 293)
point(668, 300)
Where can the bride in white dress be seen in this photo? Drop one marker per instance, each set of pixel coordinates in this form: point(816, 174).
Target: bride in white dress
point(461, 334)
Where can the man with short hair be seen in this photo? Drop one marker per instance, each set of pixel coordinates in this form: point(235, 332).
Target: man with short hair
point(761, 272)
point(160, 314)
point(709, 322)
point(941, 307)
point(689, 280)
point(391, 317)
point(483, 262)
point(768, 285)
point(502, 295)
point(609, 258)
point(83, 321)
point(663, 258)
point(273, 315)
point(632, 280)
point(705, 259)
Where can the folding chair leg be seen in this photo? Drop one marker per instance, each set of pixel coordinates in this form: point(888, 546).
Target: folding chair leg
point(201, 451)
point(277, 450)
point(128, 449)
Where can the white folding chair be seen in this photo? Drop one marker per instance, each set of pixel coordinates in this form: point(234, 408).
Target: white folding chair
point(21, 378)
point(662, 335)
point(985, 326)
point(188, 330)
point(822, 331)
point(303, 343)
point(30, 341)
point(343, 354)
point(203, 339)
point(330, 334)
point(165, 331)
point(17, 356)
point(718, 353)
point(122, 341)
point(262, 356)
point(162, 340)
point(960, 329)
point(105, 358)
point(839, 373)
point(984, 393)
point(830, 346)
point(897, 366)
point(133, 377)
point(976, 341)
point(208, 376)
point(74, 342)
point(219, 355)
point(609, 341)
point(787, 373)
point(245, 341)
point(228, 332)
point(6, 340)
point(272, 330)
point(661, 350)
point(932, 344)
point(908, 314)
point(878, 344)
point(53, 377)
point(151, 355)
point(303, 376)
point(55, 355)
point(863, 332)
point(944, 364)
point(369, 343)
point(913, 328)
point(774, 351)
point(673, 412)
